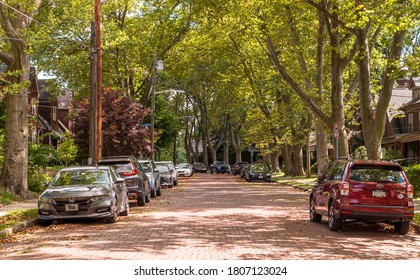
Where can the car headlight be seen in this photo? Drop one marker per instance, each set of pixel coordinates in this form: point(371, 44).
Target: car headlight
point(99, 197)
point(47, 200)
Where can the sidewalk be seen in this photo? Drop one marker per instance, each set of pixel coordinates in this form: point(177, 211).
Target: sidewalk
point(24, 205)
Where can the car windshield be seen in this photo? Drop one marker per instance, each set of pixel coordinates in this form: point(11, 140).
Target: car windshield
point(146, 166)
point(386, 174)
point(182, 165)
point(258, 168)
point(120, 166)
point(81, 177)
point(163, 169)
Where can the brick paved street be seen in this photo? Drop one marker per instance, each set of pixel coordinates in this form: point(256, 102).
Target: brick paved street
point(214, 217)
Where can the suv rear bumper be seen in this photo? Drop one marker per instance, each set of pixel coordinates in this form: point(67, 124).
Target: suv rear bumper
point(398, 215)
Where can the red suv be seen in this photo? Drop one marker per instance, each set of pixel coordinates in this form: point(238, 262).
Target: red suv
point(363, 190)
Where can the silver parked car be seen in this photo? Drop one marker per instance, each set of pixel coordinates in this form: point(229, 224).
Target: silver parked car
point(84, 192)
point(171, 166)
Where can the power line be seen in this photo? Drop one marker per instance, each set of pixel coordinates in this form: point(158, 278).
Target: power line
point(23, 14)
point(49, 28)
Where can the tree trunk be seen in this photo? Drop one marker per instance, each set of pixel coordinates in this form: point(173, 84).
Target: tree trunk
point(321, 147)
point(274, 160)
point(287, 161)
point(297, 159)
point(15, 26)
point(226, 150)
point(15, 169)
point(337, 99)
point(236, 144)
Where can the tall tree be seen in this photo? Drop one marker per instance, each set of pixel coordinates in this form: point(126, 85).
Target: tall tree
point(15, 19)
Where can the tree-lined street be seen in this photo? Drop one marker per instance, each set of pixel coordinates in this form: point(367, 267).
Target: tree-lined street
point(215, 217)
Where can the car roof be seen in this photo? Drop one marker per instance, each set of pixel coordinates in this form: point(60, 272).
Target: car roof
point(370, 162)
point(86, 168)
point(116, 158)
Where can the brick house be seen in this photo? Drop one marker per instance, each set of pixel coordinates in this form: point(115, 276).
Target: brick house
point(402, 132)
point(48, 113)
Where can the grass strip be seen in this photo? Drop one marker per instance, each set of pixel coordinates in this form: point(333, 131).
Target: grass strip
point(16, 217)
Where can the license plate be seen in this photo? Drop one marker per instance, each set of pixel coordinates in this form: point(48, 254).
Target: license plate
point(378, 193)
point(72, 207)
point(260, 177)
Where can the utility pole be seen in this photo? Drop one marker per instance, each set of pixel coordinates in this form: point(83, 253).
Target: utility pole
point(98, 22)
point(152, 116)
point(92, 117)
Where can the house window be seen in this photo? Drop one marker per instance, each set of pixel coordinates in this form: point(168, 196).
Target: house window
point(33, 107)
point(54, 113)
point(33, 135)
point(410, 122)
point(418, 123)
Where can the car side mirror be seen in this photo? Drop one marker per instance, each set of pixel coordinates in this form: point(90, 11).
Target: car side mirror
point(120, 181)
point(156, 170)
point(320, 177)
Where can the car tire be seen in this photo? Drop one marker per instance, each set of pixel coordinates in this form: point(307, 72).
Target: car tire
point(313, 216)
point(126, 211)
point(154, 192)
point(113, 219)
point(334, 224)
point(148, 197)
point(175, 183)
point(402, 228)
point(159, 191)
point(141, 201)
point(44, 223)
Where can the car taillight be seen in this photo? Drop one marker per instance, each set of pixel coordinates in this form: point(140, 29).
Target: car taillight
point(410, 191)
point(132, 172)
point(344, 188)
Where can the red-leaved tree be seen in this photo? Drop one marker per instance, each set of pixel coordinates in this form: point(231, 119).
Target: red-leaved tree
point(122, 130)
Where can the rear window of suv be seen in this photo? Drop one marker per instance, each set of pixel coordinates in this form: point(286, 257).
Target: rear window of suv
point(371, 173)
point(120, 166)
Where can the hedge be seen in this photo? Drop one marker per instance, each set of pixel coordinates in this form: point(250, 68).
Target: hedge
point(413, 174)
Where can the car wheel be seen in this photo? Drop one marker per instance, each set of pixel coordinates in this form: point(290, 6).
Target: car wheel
point(402, 227)
point(114, 217)
point(175, 183)
point(159, 191)
point(44, 223)
point(154, 194)
point(126, 211)
point(334, 224)
point(313, 216)
point(148, 197)
point(141, 201)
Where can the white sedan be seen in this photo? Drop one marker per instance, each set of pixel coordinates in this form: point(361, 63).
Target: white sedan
point(184, 169)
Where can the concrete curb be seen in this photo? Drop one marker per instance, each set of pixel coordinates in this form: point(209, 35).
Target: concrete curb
point(414, 225)
point(18, 227)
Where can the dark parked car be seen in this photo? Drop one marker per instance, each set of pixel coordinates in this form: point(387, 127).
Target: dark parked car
point(84, 192)
point(200, 167)
point(153, 175)
point(166, 179)
point(219, 167)
point(171, 166)
point(136, 180)
point(257, 171)
point(363, 190)
point(238, 167)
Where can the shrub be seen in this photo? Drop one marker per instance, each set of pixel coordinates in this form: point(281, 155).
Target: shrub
point(413, 174)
